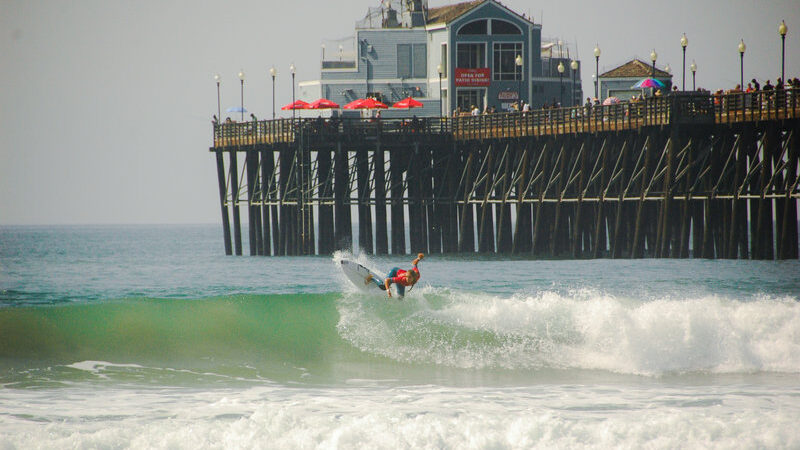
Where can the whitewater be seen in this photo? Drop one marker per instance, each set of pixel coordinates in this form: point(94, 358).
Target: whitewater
point(148, 337)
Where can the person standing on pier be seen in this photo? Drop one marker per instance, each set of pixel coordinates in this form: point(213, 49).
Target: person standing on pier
point(402, 278)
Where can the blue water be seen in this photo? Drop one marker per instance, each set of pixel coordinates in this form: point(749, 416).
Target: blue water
point(148, 336)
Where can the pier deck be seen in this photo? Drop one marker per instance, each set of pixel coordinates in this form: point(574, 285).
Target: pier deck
point(688, 174)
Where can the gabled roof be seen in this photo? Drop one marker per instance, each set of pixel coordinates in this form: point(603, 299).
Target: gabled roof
point(446, 14)
point(635, 69)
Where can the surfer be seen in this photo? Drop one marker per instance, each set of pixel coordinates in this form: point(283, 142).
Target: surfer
point(402, 278)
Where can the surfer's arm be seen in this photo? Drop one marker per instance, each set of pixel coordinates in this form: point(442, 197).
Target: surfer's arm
point(417, 259)
point(387, 282)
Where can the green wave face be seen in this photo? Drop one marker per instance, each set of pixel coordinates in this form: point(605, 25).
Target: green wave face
point(433, 336)
point(239, 336)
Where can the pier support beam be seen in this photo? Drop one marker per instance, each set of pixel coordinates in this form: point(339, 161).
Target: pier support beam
point(251, 164)
point(223, 202)
point(364, 210)
point(267, 168)
point(325, 209)
point(237, 226)
point(343, 228)
point(381, 236)
point(396, 191)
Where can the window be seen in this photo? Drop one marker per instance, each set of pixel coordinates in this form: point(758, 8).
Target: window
point(471, 56)
point(477, 27)
point(412, 61)
point(444, 60)
point(505, 65)
point(403, 60)
point(504, 27)
point(420, 66)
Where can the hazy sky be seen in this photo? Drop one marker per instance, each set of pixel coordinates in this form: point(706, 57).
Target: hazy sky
point(105, 105)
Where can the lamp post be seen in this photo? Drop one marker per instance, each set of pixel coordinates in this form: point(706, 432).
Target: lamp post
point(742, 48)
point(560, 82)
point(693, 68)
point(439, 70)
point(241, 79)
point(653, 57)
point(782, 31)
point(574, 66)
point(518, 61)
point(292, 70)
point(273, 72)
point(596, 70)
point(684, 43)
point(219, 112)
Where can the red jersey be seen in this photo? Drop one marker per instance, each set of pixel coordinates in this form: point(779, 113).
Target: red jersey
point(401, 279)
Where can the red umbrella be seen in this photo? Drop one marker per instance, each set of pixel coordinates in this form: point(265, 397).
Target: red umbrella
point(298, 104)
point(365, 103)
point(407, 103)
point(323, 103)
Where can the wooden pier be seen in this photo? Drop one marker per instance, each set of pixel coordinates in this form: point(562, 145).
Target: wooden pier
point(684, 175)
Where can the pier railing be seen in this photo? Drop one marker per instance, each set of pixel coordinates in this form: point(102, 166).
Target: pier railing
point(676, 108)
point(321, 129)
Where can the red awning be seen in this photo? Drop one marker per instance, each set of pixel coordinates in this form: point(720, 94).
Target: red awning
point(365, 103)
point(323, 103)
point(408, 103)
point(298, 104)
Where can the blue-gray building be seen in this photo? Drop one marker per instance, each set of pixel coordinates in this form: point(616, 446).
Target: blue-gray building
point(618, 82)
point(477, 53)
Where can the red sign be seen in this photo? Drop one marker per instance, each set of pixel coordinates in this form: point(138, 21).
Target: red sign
point(473, 77)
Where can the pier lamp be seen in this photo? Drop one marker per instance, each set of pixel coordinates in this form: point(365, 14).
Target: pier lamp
point(340, 52)
point(560, 82)
point(518, 61)
point(219, 111)
point(684, 43)
point(574, 66)
point(653, 57)
point(742, 48)
point(292, 69)
point(241, 79)
point(439, 70)
point(273, 72)
point(693, 68)
point(596, 69)
point(782, 31)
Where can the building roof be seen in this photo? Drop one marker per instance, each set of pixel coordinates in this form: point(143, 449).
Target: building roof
point(635, 69)
point(445, 14)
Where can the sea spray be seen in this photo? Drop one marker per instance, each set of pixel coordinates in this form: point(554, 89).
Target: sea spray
point(587, 330)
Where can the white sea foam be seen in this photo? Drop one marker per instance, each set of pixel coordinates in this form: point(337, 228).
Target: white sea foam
point(549, 416)
point(583, 329)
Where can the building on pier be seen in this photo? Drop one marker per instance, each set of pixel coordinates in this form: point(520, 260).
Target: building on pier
point(477, 53)
point(617, 82)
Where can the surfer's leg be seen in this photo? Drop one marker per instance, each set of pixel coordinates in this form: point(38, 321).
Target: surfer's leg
point(381, 284)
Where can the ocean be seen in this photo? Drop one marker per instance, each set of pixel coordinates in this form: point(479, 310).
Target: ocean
point(149, 337)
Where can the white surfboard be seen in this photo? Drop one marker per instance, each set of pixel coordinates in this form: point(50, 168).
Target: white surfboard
point(358, 274)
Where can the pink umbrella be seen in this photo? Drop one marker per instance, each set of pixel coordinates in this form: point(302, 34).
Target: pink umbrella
point(648, 83)
point(323, 103)
point(298, 104)
point(611, 101)
point(407, 103)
